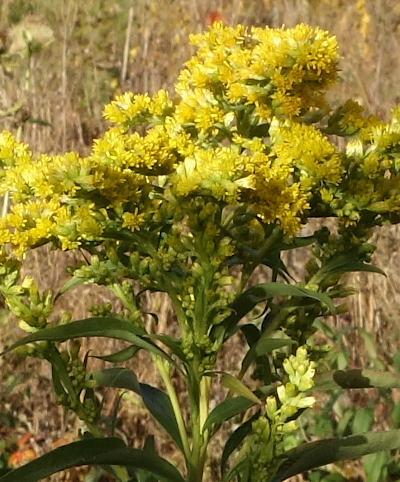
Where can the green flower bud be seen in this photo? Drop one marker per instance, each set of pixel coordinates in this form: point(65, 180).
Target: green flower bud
point(289, 426)
point(271, 407)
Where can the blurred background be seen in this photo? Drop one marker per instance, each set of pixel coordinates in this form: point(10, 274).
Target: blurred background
point(62, 60)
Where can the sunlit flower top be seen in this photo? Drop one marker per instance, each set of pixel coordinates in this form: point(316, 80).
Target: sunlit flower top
point(249, 125)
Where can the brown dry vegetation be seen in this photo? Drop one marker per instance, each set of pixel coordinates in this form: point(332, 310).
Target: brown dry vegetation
point(53, 88)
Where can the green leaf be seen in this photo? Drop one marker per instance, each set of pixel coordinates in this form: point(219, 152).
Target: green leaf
point(342, 361)
point(236, 386)
point(261, 130)
point(325, 477)
point(248, 360)
point(375, 466)
point(57, 385)
point(363, 420)
point(346, 263)
point(172, 344)
point(311, 117)
point(227, 409)
point(251, 333)
point(326, 329)
point(71, 283)
point(316, 454)
point(119, 356)
point(356, 378)
point(264, 346)
point(107, 327)
point(94, 451)
point(140, 474)
point(268, 345)
point(369, 344)
point(143, 475)
point(117, 378)
point(60, 373)
point(396, 414)
point(159, 405)
point(262, 292)
point(299, 242)
point(240, 472)
point(235, 439)
point(156, 401)
point(344, 421)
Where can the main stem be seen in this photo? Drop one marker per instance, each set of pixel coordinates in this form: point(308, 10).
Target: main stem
point(199, 414)
point(195, 455)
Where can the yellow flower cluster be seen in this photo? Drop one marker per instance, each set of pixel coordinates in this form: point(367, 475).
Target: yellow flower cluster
point(280, 71)
point(152, 153)
point(219, 172)
point(61, 198)
point(129, 109)
point(11, 151)
point(349, 119)
point(371, 183)
point(241, 131)
point(303, 146)
point(133, 220)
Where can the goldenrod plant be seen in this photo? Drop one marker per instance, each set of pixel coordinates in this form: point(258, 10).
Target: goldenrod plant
point(188, 195)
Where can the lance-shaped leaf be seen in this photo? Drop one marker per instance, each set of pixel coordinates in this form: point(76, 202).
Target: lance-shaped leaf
point(107, 327)
point(345, 263)
point(156, 401)
point(119, 356)
point(71, 283)
point(237, 386)
point(316, 454)
point(263, 346)
point(267, 345)
point(171, 343)
point(356, 378)
point(117, 378)
point(94, 451)
point(61, 379)
point(262, 292)
point(227, 409)
point(235, 439)
point(159, 405)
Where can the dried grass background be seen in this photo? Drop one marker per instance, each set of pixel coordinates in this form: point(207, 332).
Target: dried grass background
point(80, 54)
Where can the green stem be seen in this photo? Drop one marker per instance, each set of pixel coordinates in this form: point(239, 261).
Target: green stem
point(116, 288)
point(163, 368)
point(205, 386)
point(199, 414)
